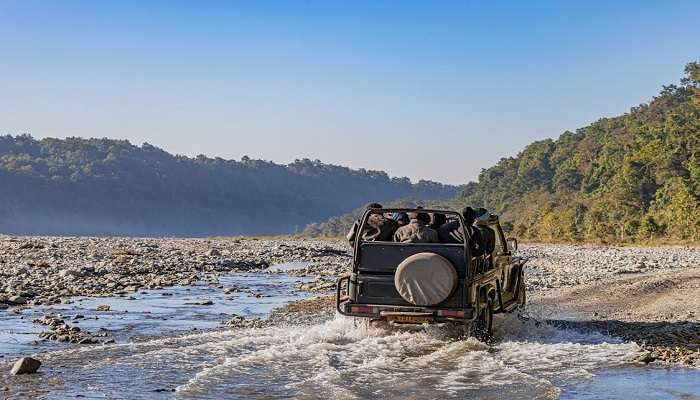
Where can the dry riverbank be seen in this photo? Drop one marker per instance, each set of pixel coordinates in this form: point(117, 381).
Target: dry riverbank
point(47, 270)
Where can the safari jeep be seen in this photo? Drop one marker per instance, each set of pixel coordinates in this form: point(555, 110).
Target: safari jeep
point(418, 283)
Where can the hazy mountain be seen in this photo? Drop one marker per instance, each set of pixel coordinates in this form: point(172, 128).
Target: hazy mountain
point(103, 186)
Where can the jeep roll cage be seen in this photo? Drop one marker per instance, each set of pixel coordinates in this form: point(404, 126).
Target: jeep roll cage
point(363, 222)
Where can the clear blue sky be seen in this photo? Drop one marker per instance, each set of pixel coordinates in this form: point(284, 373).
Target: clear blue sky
point(433, 90)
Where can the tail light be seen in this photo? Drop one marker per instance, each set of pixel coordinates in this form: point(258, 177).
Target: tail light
point(363, 310)
point(451, 313)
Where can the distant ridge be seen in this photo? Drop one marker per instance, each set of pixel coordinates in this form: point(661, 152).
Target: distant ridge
point(81, 186)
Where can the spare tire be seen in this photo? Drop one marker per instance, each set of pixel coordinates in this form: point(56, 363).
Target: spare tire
point(425, 279)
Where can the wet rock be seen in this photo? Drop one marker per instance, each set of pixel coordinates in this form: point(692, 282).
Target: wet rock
point(645, 358)
point(200, 303)
point(239, 322)
point(19, 300)
point(26, 365)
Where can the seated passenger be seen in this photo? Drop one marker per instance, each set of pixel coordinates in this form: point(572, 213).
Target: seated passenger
point(437, 220)
point(401, 218)
point(379, 228)
point(488, 236)
point(417, 230)
point(352, 235)
point(452, 232)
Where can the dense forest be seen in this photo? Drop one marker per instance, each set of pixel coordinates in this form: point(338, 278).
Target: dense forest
point(102, 186)
point(631, 178)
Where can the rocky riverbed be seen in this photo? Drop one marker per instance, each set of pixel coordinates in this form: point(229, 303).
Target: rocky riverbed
point(646, 295)
point(48, 270)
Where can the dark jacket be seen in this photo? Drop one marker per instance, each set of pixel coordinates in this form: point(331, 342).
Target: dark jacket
point(488, 238)
point(452, 232)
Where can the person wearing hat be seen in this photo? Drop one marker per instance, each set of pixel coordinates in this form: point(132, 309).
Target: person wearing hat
point(401, 218)
point(452, 232)
point(417, 230)
point(488, 236)
point(437, 220)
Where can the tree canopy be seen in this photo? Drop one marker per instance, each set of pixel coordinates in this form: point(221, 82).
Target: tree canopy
point(631, 178)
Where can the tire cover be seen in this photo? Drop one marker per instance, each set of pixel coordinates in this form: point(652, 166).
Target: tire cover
point(425, 279)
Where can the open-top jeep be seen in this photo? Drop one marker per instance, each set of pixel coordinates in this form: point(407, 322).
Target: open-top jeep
point(417, 283)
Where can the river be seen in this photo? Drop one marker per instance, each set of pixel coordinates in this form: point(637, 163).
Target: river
point(167, 346)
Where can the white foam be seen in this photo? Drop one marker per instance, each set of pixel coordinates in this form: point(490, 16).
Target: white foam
point(347, 358)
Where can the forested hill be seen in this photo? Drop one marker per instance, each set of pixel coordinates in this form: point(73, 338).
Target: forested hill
point(102, 186)
point(630, 178)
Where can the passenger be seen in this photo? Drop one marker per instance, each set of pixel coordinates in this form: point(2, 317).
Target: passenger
point(488, 236)
point(437, 220)
point(401, 218)
point(377, 228)
point(452, 232)
point(417, 230)
point(352, 235)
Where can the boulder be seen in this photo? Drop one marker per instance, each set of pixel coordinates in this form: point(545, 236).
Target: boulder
point(26, 365)
point(17, 300)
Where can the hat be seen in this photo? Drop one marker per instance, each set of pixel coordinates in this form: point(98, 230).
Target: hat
point(468, 214)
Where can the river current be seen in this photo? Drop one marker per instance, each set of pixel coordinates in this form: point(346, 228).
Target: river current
point(158, 355)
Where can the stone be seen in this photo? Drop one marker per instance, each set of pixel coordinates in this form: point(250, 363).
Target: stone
point(17, 300)
point(26, 365)
point(213, 253)
point(70, 273)
point(645, 358)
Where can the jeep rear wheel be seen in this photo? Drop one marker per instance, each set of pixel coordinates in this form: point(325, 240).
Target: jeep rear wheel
point(483, 329)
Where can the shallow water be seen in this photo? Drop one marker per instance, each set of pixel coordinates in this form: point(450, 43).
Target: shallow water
point(152, 312)
point(338, 358)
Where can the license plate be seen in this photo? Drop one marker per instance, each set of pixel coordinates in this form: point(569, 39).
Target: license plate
point(409, 319)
